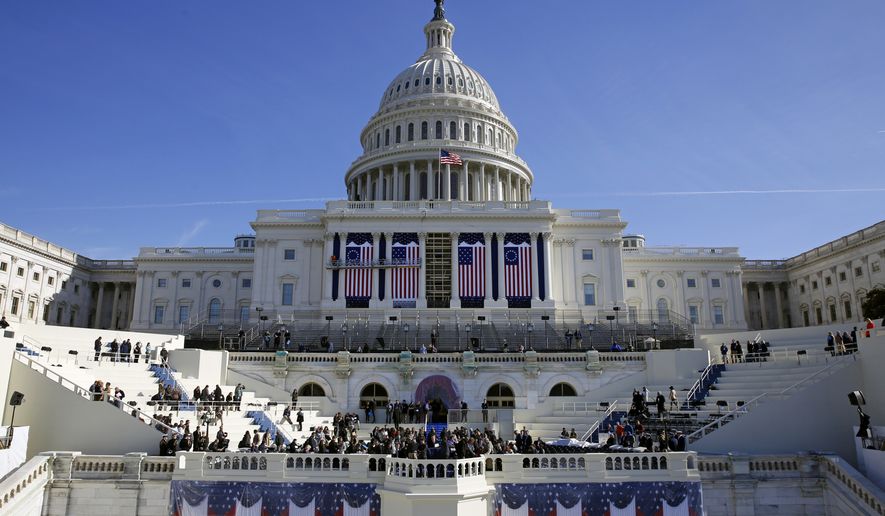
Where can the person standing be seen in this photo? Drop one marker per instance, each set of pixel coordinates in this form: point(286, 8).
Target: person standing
point(485, 411)
point(97, 348)
point(136, 353)
point(723, 350)
point(870, 326)
point(147, 352)
point(299, 418)
point(674, 403)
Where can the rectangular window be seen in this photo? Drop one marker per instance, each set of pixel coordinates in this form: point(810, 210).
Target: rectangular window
point(159, 312)
point(848, 309)
point(288, 291)
point(161, 282)
point(814, 285)
point(801, 289)
point(20, 272)
point(76, 288)
point(631, 283)
point(716, 282)
point(832, 313)
point(586, 254)
point(46, 314)
point(805, 318)
point(718, 315)
point(36, 276)
point(64, 285)
point(247, 283)
point(842, 276)
point(820, 315)
point(633, 312)
point(50, 280)
point(186, 282)
point(184, 313)
point(15, 302)
point(693, 314)
point(244, 314)
point(858, 272)
point(692, 283)
point(32, 308)
point(288, 254)
point(875, 266)
point(3, 266)
point(828, 281)
point(589, 294)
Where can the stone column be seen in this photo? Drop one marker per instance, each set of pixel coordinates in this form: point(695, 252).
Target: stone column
point(114, 302)
point(447, 184)
point(778, 304)
point(379, 195)
point(463, 177)
point(396, 184)
point(456, 298)
point(481, 191)
point(431, 181)
point(509, 186)
point(708, 304)
point(680, 293)
point(327, 273)
point(533, 238)
point(421, 301)
point(488, 269)
point(548, 270)
point(745, 291)
point(413, 182)
point(376, 243)
point(388, 276)
point(502, 294)
point(762, 308)
point(135, 315)
point(97, 322)
point(496, 191)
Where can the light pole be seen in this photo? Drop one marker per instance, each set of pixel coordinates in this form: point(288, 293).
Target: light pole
point(530, 327)
point(546, 318)
point(654, 333)
point(617, 310)
point(259, 309)
point(611, 331)
point(590, 328)
point(344, 336)
point(220, 336)
point(467, 329)
point(406, 329)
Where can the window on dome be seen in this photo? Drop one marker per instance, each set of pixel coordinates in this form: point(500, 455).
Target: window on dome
point(411, 131)
point(423, 130)
point(399, 134)
point(386, 137)
point(427, 81)
point(453, 131)
point(438, 132)
point(407, 84)
point(377, 140)
point(450, 80)
point(438, 80)
point(466, 131)
point(460, 82)
point(397, 88)
point(417, 82)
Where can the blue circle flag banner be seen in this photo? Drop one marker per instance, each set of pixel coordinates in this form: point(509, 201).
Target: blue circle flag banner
point(596, 499)
point(275, 498)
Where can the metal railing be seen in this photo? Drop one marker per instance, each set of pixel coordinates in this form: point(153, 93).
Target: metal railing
point(595, 426)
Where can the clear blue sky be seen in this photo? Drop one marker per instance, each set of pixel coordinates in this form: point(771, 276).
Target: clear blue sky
point(114, 113)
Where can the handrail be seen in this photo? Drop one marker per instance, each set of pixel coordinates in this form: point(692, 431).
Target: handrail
point(720, 421)
point(188, 405)
point(595, 426)
point(697, 385)
point(85, 393)
point(36, 472)
point(809, 377)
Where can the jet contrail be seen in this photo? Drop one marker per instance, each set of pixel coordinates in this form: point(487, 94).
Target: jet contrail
point(189, 204)
point(727, 192)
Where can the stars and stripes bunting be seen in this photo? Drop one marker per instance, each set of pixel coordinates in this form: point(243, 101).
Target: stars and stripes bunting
point(517, 266)
point(471, 265)
point(358, 256)
point(405, 256)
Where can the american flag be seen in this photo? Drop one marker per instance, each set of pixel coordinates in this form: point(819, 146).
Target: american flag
point(358, 252)
point(449, 158)
point(517, 265)
point(471, 265)
point(404, 279)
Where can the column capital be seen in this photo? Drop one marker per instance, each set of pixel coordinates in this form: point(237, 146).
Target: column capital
point(547, 235)
point(388, 235)
point(175, 274)
point(455, 235)
point(680, 273)
point(533, 237)
point(376, 236)
point(328, 236)
point(643, 273)
point(422, 236)
point(488, 236)
point(705, 273)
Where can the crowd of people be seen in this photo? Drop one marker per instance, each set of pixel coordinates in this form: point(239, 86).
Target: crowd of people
point(734, 353)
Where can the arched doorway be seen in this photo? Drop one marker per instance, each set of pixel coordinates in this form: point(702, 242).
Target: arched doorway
point(500, 395)
point(374, 392)
point(311, 389)
point(563, 389)
point(663, 310)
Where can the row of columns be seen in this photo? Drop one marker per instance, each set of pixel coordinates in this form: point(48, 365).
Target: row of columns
point(759, 291)
point(402, 182)
point(118, 315)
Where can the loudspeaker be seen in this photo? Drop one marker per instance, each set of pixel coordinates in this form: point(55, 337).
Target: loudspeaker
point(16, 399)
point(856, 398)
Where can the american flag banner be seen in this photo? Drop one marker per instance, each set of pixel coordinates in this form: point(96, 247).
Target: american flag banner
point(405, 255)
point(518, 270)
point(449, 158)
point(358, 254)
point(471, 266)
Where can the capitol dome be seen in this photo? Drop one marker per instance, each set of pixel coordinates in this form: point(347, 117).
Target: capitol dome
point(439, 104)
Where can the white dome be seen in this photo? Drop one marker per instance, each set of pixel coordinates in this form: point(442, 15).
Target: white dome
point(440, 75)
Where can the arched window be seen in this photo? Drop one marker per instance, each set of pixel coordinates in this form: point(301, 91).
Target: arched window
point(663, 310)
point(500, 395)
point(450, 80)
point(311, 389)
point(214, 311)
point(407, 84)
point(417, 82)
point(386, 137)
point(399, 134)
point(491, 138)
point(453, 131)
point(423, 130)
point(466, 131)
point(377, 140)
point(438, 80)
point(563, 389)
point(438, 130)
point(373, 392)
point(427, 81)
point(411, 131)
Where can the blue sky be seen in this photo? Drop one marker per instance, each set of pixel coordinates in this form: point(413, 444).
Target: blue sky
point(123, 123)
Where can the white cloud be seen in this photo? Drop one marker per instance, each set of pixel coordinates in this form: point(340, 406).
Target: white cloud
point(195, 230)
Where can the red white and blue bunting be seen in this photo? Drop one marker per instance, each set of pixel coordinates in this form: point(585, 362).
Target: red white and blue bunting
point(600, 499)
